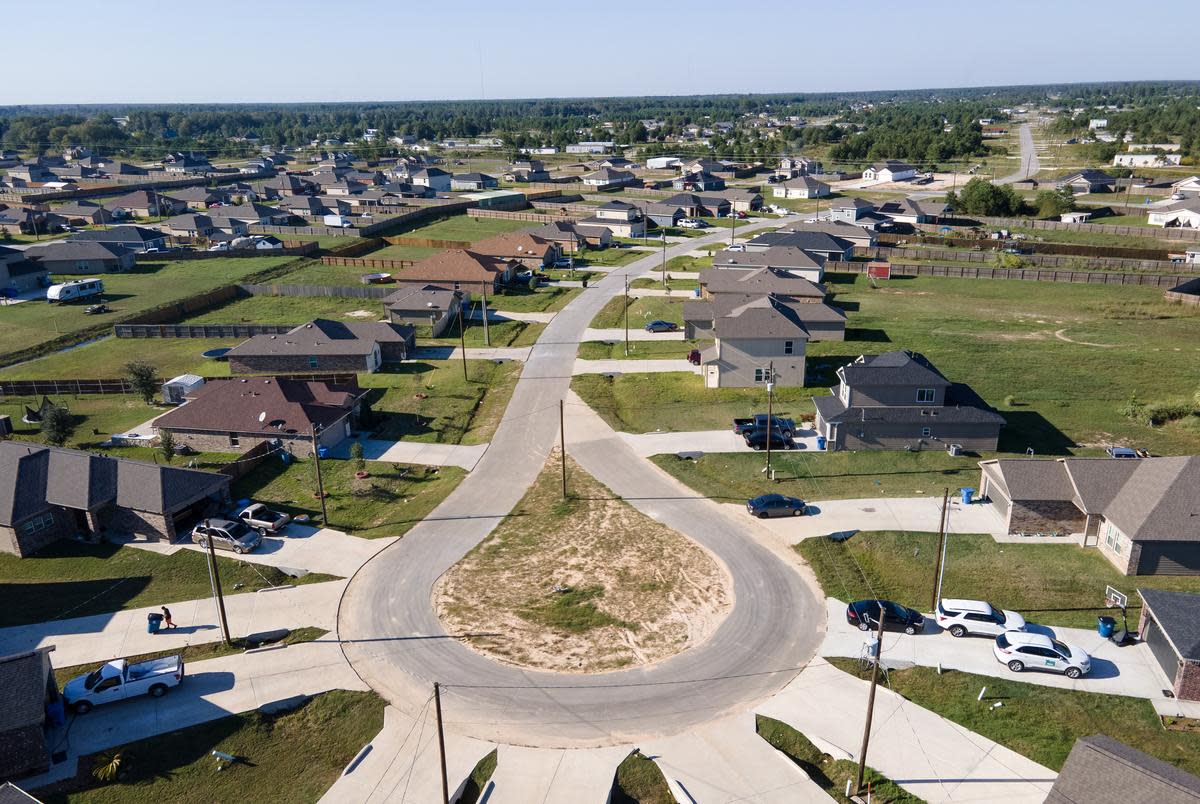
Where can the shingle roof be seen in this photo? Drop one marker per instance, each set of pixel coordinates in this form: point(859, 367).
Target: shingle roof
point(22, 690)
point(420, 296)
point(763, 280)
point(237, 405)
point(325, 337)
point(75, 250)
point(785, 257)
point(188, 221)
point(851, 203)
point(120, 234)
point(1099, 769)
point(900, 367)
point(1179, 615)
point(513, 244)
point(1160, 501)
point(806, 240)
point(962, 406)
point(735, 316)
point(455, 265)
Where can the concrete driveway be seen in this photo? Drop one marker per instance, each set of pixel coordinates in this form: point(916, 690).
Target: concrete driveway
point(702, 442)
point(886, 513)
point(633, 366)
point(636, 333)
point(303, 547)
point(417, 452)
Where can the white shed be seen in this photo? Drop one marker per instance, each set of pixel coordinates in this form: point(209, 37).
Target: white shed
point(174, 390)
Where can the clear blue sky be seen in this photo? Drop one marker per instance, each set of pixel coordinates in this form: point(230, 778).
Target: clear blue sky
point(347, 50)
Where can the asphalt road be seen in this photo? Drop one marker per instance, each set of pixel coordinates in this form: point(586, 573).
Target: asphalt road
point(1029, 165)
point(393, 639)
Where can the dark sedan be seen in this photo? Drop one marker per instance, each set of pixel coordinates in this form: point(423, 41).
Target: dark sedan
point(757, 439)
point(662, 326)
point(769, 505)
point(864, 615)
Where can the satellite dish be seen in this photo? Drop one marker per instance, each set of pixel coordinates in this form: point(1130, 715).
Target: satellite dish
point(262, 417)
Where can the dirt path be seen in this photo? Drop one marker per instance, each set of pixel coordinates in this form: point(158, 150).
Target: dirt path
point(1062, 337)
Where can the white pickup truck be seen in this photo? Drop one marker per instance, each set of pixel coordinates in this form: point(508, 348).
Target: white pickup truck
point(118, 680)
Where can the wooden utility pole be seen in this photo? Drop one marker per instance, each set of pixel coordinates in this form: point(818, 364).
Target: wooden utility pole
point(770, 412)
point(627, 314)
point(862, 753)
point(562, 436)
point(320, 481)
point(664, 258)
point(462, 341)
point(214, 579)
point(437, 705)
point(487, 337)
point(940, 564)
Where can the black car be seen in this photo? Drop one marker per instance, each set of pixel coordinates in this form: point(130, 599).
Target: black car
point(864, 615)
point(757, 439)
point(776, 505)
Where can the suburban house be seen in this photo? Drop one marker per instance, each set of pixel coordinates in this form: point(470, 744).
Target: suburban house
point(420, 305)
point(794, 166)
point(898, 400)
point(1168, 625)
point(19, 274)
point(572, 238)
point(1100, 769)
point(665, 215)
point(742, 200)
point(801, 187)
point(197, 198)
point(29, 690)
point(756, 335)
point(51, 493)
point(1183, 214)
point(434, 178)
point(190, 225)
point(698, 182)
point(1086, 181)
point(621, 218)
point(889, 170)
point(235, 219)
point(777, 281)
point(81, 257)
point(145, 204)
point(473, 181)
point(306, 206)
point(608, 177)
point(528, 249)
point(323, 345)
point(236, 414)
point(84, 213)
point(858, 211)
point(22, 220)
point(1143, 514)
point(808, 265)
point(815, 242)
point(914, 211)
point(134, 238)
point(461, 269)
point(1188, 186)
point(286, 184)
point(527, 170)
point(695, 205)
point(187, 164)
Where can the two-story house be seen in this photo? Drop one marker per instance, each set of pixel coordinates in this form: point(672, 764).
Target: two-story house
point(621, 218)
point(809, 265)
point(899, 400)
point(322, 346)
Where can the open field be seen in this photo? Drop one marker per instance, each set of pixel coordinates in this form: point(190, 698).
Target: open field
point(289, 310)
point(403, 253)
point(108, 356)
point(1095, 238)
point(610, 256)
point(73, 579)
point(95, 416)
point(291, 756)
point(638, 350)
point(585, 584)
point(649, 308)
point(466, 228)
point(1053, 584)
point(683, 285)
point(500, 333)
point(324, 241)
point(147, 285)
point(1022, 725)
point(517, 299)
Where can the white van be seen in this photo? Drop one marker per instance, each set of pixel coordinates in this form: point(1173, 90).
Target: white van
point(75, 290)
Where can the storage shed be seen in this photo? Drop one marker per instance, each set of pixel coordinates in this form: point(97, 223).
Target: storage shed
point(176, 389)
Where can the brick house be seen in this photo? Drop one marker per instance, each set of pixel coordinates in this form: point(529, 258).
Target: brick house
point(324, 345)
point(1170, 626)
point(528, 249)
point(573, 239)
point(236, 414)
point(81, 257)
point(51, 493)
point(461, 269)
point(426, 304)
point(1142, 514)
point(145, 204)
point(27, 688)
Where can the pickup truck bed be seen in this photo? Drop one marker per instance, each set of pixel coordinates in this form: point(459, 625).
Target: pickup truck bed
point(759, 422)
point(155, 667)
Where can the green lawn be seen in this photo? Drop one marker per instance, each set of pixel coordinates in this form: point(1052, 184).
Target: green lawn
point(523, 300)
point(289, 310)
point(403, 253)
point(107, 358)
point(610, 256)
point(639, 780)
point(430, 401)
point(73, 579)
point(1022, 723)
point(1055, 584)
point(96, 416)
point(324, 241)
point(317, 273)
point(638, 350)
point(690, 264)
point(829, 774)
point(389, 502)
point(148, 285)
point(648, 308)
point(468, 229)
point(291, 756)
point(1092, 238)
point(655, 282)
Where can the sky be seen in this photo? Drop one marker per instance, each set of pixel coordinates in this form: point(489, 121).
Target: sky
point(125, 51)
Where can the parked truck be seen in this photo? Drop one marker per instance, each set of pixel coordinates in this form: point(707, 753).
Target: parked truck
point(118, 680)
point(338, 221)
point(785, 427)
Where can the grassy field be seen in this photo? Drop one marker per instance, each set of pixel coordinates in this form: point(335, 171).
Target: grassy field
point(685, 286)
point(72, 579)
point(95, 417)
point(1022, 723)
point(830, 775)
point(317, 273)
point(147, 285)
point(291, 756)
point(289, 310)
point(639, 780)
point(403, 253)
point(638, 350)
point(325, 241)
point(686, 263)
point(523, 300)
point(610, 257)
point(1093, 238)
point(1054, 584)
point(389, 502)
point(465, 228)
point(500, 333)
point(649, 308)
point(429, 401)
point(107, 358)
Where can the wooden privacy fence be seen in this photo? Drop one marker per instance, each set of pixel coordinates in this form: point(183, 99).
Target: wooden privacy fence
point(1026, 274)
point(120, 385)
point(1158, 232)
point(367, 262)
point(200, 330)
point(425, 242)
point(248, 461)
point(342, 291)
point(990, 244)
point(1188, 293)
point(1041, 260)
point(297, 249)
point(532, 217)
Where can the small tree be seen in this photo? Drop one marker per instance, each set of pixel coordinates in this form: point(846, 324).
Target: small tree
point(144, 379)
point(356, 455)
point(58, 426)
point(166, 444)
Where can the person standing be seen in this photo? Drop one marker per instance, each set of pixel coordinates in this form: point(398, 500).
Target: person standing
point(167, 618)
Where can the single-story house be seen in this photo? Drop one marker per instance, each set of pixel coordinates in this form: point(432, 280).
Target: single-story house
point(28, 690)
point(197, 198)
point(890, 170)
point(84, 213)
point(801, 187)
point(572, 238)
point(81, 257)
point(699, 205)
point(188, 225)
point(51, 493)
point(20, 274)
point(473, 181)
point(1101, 770)
point(461, 269)
point(134, 238)
point(145, 204)
point(608, 177)
point(766, 280)
point(1183, 214)
point(426, 304)
point(523, 247)
point(323, 345)
point(742, 200)
point(664, 215)
point(306, 206)
point(806, 264)
point(1086, 181)
point(1142, 514)
point(233, 415)
point(914, 211)
point(816, 243)
point(434, 178)
point(698, 182)
point(899, 400)
point(1170, 625)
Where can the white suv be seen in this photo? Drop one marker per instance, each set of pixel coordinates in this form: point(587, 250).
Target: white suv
point(962, 617)
point(1025, 651)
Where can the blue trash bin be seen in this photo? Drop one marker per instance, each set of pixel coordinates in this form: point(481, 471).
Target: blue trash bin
point(1106, 626)
point(821, 442)
point(153, 622)
point(323, 452)
point(967, 494)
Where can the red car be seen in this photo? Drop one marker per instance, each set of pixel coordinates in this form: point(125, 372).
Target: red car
point(694, 357)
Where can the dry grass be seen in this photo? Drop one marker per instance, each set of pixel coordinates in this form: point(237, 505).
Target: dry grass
point(631, 591)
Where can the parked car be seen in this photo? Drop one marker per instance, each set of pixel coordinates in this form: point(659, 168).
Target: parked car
point(864, 615)
point(769, 505)
point(693, 357)
point(564, 262)
point(737, 247)
point(226, 534)
point(692, 223)
point(758, 421)
point(263, 519)
point(118, 680)
point(1022, 650)
point(962, 617)
point(757, 439)
point(662, 326)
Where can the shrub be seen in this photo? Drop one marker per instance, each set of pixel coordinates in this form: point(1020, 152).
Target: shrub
point(58, 426)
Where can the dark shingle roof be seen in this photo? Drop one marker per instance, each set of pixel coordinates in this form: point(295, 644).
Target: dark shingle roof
point(1178, 613)
point(962, 407)
point(75, 250)
point(1099, 770)
point(239, 405)
point(22, 690)
point(120, 234)
point(900, 367)
point(763, 280)
point(806, 240)
point(325, 337)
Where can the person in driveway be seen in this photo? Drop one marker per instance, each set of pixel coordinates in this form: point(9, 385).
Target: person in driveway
point(167, 618)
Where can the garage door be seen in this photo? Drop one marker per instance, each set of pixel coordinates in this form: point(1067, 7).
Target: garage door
point(993, 493)
point(1169, 558)
point(1161, 649)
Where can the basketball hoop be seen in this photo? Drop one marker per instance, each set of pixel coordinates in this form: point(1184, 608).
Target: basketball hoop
point(1115, 599)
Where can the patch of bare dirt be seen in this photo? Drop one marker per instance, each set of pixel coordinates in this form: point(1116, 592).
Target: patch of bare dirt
point(1062, 336)
point(361, 314)
point(586, 585)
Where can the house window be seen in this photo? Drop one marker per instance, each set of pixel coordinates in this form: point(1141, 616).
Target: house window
point(234, 440)
point(789, 347)
point(925, 395)
point(312, 361)
point(926, 432)
point(38, 523)
point(762, 375)
point(1112, 538)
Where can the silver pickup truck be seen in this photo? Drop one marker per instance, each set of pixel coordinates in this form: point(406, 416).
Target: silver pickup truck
point(118, 680)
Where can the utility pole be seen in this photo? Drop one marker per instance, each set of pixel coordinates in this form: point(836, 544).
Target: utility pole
point(862, 754)
point(940, 564)
point(214, 579)
point(733, 231)
point(487, 338)
point(437, 705)
point(770, 412)
point(664, 259)
point(562, 435)
point(462, 341)
point(320, 481)
point(627, 315)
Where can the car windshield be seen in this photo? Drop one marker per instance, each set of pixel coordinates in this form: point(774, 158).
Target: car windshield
point(92, 679)
point(998, 614)
point(1002, 641)
point(236, 530)
point(1060, 647)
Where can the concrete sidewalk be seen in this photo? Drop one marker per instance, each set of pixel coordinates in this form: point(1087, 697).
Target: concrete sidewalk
point(579, 776)
point(704, 442)
point(473, 353)
point(210, 690)
point(885, 513)
point(636, 333)
point(924, 753)
point(726, 761)
point(417, 452)
point(632, 366)
point(507, 315)
point(101, 637)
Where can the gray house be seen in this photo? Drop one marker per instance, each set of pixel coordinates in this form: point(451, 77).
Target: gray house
point(1086, 181)
point(815, 243)
point(81, 257)
point(134, 238)
point(1099, 769)
point(473, 181)
point(323, 345)
point(435, 306)
point(809, 265)
point(898, 400)
point(760, 281)
point(27, 689)
point(1170, 625)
